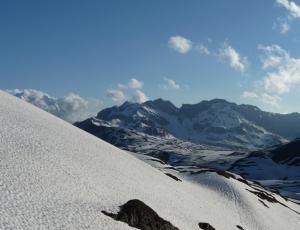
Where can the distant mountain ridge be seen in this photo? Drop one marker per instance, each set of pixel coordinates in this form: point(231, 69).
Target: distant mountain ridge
point(216, 122)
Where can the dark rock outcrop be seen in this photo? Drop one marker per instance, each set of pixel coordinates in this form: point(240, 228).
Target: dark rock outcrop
point(206, 226)
point(137, 214)
point(172, 176)
point(288, 153)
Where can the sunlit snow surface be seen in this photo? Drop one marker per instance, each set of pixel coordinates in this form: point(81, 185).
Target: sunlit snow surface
point(55, 176)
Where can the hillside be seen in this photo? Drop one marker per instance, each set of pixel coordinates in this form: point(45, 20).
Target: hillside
point(55, 176)
point(276, 167)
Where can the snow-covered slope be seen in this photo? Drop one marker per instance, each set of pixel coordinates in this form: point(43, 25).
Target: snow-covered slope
point(55, 176)
point(276, 167)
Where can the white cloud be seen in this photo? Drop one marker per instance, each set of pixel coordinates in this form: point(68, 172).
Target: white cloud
point(139, 97)
point(116, 95)
point(285, 27)
point(284, 78)
point(121, 93)
point(70, 108)
point(180, 44)
point(273, 55)
point(225, 52)
point(169, 84)
point(283, 24)
point(292, 8)
point(135, 84)
point(121, 86)
point(282, 74)
point(283, 70)
point(249, 94)
point(203, 49)
point(70, 105)
point(235, 60)
point(267, 99)
point(272, 100)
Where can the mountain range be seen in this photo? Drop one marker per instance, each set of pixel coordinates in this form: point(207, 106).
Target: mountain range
point(216, 122)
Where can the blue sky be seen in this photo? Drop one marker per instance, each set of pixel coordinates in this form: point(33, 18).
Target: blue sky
point(184, 51)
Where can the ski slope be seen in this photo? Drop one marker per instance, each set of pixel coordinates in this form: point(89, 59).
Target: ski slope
point(55, 176)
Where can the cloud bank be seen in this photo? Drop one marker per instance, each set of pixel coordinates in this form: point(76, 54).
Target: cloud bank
point(134, 87)
point(70, 108)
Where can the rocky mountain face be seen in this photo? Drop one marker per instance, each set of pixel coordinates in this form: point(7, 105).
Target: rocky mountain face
point(216, 122)
point(169, 149)
point(288, 154)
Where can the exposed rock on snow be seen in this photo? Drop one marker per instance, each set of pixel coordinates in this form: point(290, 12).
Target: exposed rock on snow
point(137, 214)
point(240, 227)
point(206, 226)
point(173, 177)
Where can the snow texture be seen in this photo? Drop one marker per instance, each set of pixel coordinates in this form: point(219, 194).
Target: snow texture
point(55, 176)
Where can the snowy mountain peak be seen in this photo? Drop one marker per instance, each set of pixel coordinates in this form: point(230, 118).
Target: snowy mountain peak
point(216, 122)
point(192, 110)
point(162, 105)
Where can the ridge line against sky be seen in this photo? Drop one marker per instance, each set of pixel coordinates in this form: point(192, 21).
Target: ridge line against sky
point(72, 107)
point(109, 52)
